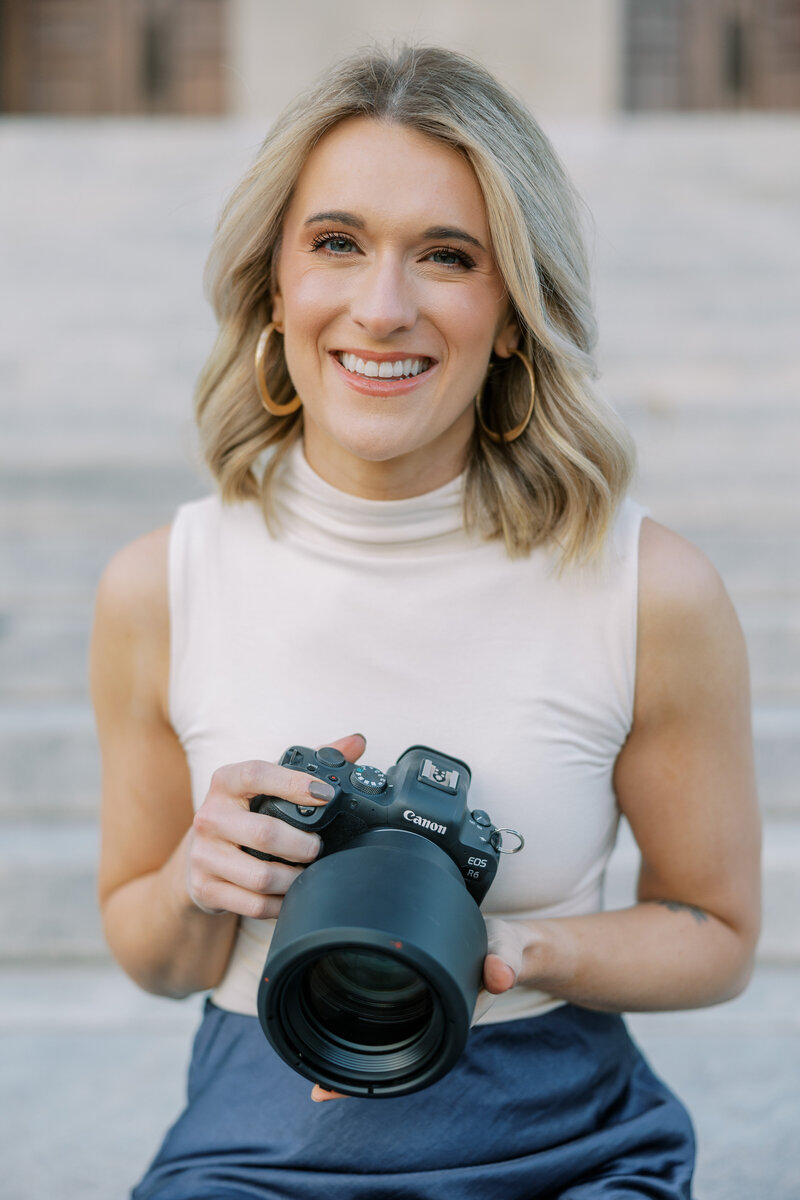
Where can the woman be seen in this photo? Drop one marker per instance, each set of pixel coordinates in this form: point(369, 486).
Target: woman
point(448, 557)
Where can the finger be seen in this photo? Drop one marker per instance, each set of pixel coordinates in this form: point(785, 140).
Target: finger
point(273, 836)
point(223, 821)
point(498, 976)
point(352, 746)
point(319, 1093)
point(216, 896)
point(504, 957)
point(244, 780)
point(222, 860)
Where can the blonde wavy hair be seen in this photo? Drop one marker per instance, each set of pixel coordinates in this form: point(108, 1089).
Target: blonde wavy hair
point(560, 482)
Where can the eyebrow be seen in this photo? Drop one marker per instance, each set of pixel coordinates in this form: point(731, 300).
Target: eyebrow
point(451, 233)
point(434, 233)
point(342, 218)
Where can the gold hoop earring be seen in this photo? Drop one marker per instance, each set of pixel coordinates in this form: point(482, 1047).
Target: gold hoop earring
point(512, 434)
point(277, 410)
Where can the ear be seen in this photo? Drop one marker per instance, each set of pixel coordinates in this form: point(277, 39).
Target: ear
point(507, 338)
point(277, 311)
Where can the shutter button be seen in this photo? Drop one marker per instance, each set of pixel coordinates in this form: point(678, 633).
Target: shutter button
point(330, 757)
point(480, 817)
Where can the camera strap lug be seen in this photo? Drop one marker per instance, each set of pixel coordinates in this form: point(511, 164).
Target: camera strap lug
point(496, 841)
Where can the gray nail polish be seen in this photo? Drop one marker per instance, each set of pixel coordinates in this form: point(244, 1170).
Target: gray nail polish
point(321, 790)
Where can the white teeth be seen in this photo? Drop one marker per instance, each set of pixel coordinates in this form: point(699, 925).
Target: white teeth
point(383, 370)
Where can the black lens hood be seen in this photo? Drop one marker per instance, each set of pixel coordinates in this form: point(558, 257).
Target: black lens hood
point(393, 893)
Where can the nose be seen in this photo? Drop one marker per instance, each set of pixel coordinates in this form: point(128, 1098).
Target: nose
point(383, 300)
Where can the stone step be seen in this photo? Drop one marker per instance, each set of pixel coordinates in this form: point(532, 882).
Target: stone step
point(44, 650)
point(61, 554)
point(48, 909)
point(48, 905)
point(755, 564)
point(50, 772)
point(722, 503)
point(118, 485)
point(695, 446)
point(100, 998)
point(44, 645)
point(94, 1072)
point(780, 937)
point(49, 764)
point(776, 730)
point(757, 482)
point(91, 499)
point(772, 632)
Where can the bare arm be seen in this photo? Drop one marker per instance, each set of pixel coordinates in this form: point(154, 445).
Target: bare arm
point(151, 925)
point(685, 781)
point(173, 883)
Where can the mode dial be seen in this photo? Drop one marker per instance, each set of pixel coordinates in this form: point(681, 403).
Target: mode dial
point(368, 780)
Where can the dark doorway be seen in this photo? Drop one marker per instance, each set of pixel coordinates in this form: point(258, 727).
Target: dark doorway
point(94, 57)
point(712, 54)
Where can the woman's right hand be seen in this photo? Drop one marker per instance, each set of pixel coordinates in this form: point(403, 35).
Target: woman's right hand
point(222, 877)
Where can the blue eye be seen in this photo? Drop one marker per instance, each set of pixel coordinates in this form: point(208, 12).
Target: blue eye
point(334, 243)
point(448, 256)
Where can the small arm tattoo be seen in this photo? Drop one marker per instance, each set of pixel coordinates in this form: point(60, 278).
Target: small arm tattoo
point(676, 906)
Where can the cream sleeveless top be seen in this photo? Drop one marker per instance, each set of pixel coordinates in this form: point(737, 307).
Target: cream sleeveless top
point(388, 619)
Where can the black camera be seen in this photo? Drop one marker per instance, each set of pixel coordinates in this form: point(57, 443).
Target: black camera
point(377, 954)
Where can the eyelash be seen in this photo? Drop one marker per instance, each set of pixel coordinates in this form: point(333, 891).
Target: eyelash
point(464, 259)
point(321, 238)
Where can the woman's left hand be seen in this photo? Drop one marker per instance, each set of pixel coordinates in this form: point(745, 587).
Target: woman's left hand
point(503, 962)
point(501, 968)
point(319, 1094)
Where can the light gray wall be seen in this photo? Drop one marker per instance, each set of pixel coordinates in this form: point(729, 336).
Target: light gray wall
point(562, 56)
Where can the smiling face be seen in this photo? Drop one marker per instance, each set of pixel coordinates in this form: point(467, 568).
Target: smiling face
point(390, 302)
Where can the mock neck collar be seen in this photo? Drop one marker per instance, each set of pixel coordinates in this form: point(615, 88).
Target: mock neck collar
point(309, 507)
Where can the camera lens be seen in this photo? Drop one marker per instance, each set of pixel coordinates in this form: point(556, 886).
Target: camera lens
point(374, 967)
point(365, 998)
point(361, 1019)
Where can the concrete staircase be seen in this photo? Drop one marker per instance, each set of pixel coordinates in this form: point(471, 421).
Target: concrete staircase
point(107, 225)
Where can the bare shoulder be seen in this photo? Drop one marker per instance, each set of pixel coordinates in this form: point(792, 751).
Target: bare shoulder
point(680, 590)
point(675, 575)
point(133, 588)
point(130, 637)
point(688, 629)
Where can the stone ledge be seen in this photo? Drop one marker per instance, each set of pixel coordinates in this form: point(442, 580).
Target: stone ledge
point(50, 766)
point(48, 907)
point(84, 1108)
point(101, 998)
point(780, 937)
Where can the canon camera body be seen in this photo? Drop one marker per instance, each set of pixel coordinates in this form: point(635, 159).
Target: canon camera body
point(425, 793)
point(377, 954)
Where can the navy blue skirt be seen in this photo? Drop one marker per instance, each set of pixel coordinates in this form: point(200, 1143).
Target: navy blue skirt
point(557, 1107)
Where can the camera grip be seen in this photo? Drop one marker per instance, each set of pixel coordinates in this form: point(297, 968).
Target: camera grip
point(284, 810)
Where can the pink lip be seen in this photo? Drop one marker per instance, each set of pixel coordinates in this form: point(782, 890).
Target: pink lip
point(382, 356)
point(381, 387)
